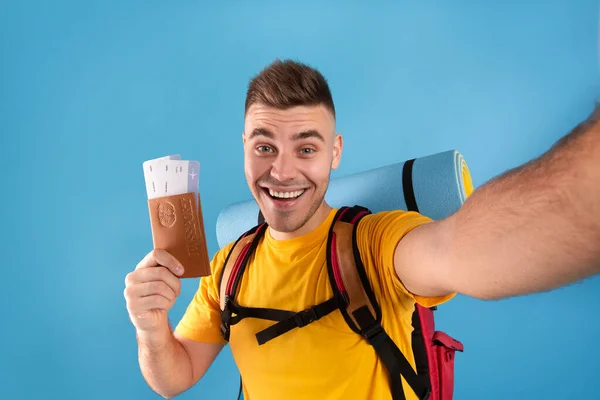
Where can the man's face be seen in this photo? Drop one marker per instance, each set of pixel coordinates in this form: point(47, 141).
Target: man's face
point(288, 158)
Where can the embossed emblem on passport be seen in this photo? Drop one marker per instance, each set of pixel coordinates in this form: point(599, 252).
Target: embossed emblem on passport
point(166, 214)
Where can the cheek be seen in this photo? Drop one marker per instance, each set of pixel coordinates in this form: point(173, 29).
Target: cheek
point(318, 171)
point(255, 167)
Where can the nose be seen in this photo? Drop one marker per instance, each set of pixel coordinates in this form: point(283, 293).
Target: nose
point(283, 168)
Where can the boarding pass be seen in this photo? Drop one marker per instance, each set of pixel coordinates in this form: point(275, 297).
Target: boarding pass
point(170, 175)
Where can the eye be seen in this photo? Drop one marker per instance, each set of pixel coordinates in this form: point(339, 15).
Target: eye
point(264, 149)
point(307, 151)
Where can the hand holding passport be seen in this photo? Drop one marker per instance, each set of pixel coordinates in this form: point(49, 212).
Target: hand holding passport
point(176, 212)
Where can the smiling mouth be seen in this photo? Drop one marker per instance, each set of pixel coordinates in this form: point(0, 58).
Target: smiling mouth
point(283, 196)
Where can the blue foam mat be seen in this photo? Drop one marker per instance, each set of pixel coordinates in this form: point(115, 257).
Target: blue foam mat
point(438, 185)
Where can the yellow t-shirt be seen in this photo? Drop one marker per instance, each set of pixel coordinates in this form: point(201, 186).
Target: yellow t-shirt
point(325, 359)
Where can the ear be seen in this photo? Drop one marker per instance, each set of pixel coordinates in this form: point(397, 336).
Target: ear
point(244, 137)
point(338, 144)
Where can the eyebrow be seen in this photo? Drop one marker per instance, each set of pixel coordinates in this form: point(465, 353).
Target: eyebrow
point(311, 133)
point(262, 132)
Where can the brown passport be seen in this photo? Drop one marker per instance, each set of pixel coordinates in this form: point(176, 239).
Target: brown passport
point(178, 227)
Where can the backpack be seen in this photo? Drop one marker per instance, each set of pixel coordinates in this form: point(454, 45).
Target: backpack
point(433, 350)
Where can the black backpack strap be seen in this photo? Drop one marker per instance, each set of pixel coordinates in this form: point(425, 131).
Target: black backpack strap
point(418, 343)
point(297, 320)
point(362, 313)
point(407, 186)
point(235, 264)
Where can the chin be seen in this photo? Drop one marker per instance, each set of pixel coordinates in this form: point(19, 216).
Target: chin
point(290, 221)
point(286, 222)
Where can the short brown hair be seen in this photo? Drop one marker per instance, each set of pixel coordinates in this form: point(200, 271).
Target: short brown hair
point(286, 84)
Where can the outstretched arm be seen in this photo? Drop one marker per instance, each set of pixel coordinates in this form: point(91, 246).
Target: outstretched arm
point(531, 229)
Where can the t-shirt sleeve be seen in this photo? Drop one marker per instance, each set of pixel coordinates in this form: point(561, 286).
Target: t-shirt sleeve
point(380, 234)
point(201, 321)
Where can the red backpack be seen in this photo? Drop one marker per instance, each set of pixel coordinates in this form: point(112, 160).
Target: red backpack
point(353, 297)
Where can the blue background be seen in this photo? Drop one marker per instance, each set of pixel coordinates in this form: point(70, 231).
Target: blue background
point(91, 89)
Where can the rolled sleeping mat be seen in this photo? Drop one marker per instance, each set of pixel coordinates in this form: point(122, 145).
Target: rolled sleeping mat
point(436, 186)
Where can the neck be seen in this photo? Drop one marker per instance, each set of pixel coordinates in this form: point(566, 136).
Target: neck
point(315, 220)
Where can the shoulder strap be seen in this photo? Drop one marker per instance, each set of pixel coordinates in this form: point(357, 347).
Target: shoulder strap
point(233, 270)
point(346, 271)
point(362, 313)
point(236, 261)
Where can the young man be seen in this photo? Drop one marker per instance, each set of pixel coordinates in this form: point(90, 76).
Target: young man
point(532, 229)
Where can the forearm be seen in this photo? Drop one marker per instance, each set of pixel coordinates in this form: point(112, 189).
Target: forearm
point(164, 363)
point(535, 227)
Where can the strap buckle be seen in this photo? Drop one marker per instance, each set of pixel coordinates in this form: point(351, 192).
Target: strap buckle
point(305, 317)
point(373, 333)
point(225, 331)
point(225, 318)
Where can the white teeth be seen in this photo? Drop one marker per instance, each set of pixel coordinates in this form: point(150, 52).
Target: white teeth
point(285, 195)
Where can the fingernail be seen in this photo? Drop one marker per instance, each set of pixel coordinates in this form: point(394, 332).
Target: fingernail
point(179, 270)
